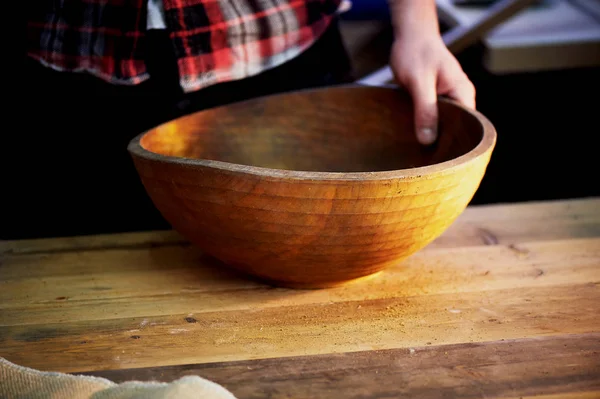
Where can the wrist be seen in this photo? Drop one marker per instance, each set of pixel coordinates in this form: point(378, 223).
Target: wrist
point(414, 19)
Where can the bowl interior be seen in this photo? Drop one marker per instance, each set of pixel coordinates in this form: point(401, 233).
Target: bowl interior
point(340, 129)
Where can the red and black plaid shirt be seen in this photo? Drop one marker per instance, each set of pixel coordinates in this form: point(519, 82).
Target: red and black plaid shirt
point(214, 40)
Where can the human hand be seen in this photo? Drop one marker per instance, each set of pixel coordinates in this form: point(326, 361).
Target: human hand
point(423, 65)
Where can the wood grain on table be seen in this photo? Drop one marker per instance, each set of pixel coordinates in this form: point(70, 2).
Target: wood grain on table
point(504, 304)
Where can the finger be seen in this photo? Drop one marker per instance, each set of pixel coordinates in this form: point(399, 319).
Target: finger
point(424, 95)
point(464, 92)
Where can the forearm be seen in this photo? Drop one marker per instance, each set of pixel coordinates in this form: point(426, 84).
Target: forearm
point(414, 17)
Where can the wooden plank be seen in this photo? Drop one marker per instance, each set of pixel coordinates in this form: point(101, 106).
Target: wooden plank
point(150, 239)
point(511, 224)
point(565, 395)
point(97, 285)
point(549, 220)
point(321, 328)
point(567, 366)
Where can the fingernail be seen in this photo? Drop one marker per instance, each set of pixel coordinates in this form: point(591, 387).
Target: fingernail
point(426, 136)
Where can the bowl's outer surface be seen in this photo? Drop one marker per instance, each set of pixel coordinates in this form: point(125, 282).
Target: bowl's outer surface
point(303, 231)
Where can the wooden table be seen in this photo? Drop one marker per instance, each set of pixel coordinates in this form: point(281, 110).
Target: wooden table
point(505, 304)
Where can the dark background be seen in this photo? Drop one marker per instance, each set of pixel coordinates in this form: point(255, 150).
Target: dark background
point(547, 124)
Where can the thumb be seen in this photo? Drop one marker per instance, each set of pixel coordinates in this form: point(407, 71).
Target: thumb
point(424, 95)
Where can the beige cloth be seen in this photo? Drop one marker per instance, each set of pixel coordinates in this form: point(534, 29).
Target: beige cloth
point(17, 382)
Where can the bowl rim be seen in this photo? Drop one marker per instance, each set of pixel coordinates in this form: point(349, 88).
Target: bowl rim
point(485, 146)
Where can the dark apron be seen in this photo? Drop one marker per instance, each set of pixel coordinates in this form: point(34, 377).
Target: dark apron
point(70, 172)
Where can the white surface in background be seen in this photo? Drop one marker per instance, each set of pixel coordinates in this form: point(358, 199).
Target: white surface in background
point(563, 34)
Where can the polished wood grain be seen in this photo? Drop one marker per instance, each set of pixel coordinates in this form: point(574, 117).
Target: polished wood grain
point(317, 187)
point(504, 369)
point(205, 336)
point(503, 305)
point(183, 282)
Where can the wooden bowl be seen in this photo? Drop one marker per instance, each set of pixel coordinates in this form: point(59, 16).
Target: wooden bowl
point(313, 188)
